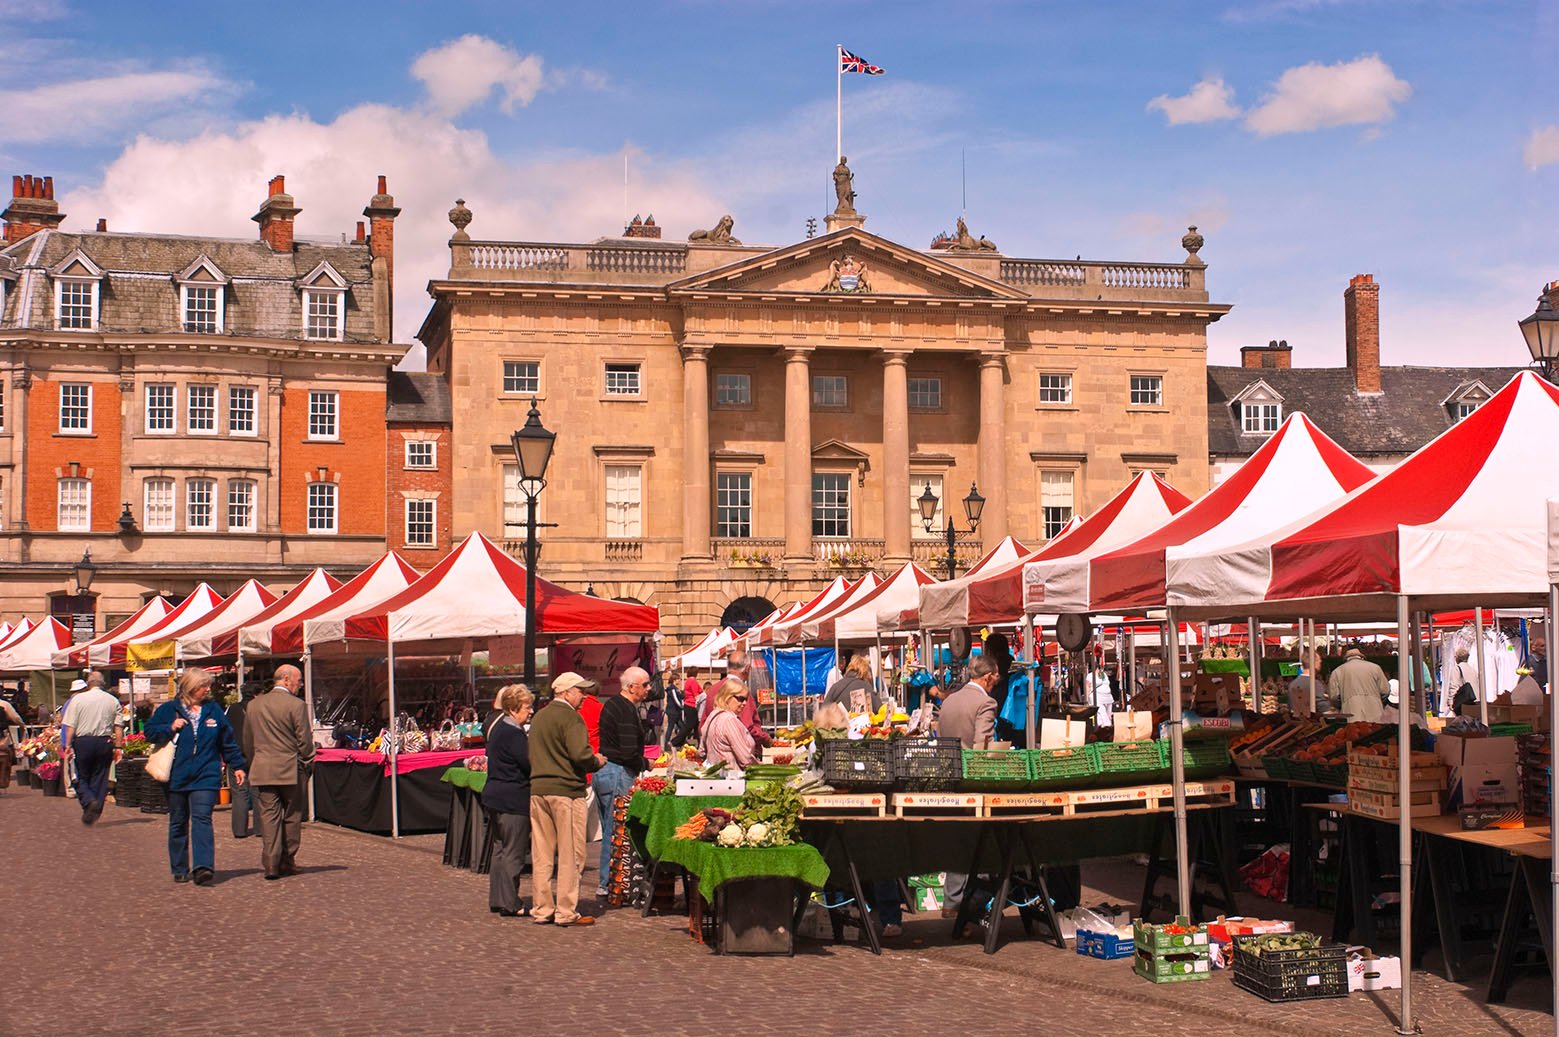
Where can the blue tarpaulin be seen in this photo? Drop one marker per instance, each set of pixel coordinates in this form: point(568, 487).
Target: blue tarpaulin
point(785, 665)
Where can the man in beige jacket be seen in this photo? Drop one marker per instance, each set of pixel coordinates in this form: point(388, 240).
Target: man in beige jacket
point(279, 744)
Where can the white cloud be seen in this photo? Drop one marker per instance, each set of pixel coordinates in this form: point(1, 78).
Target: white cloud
point(212, 183)
point(1315, 96)
point(77, 108)
point(1542, 147)
point(1210, 100)
point(464, 73)
point(32, 10)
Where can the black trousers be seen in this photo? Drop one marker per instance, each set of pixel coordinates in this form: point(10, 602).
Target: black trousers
point(94, 755)
point(511, 845)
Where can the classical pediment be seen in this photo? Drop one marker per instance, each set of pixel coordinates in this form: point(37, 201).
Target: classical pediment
point(847, 263)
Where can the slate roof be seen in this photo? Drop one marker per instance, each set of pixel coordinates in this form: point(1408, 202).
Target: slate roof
point(415, 397)
point(140, 294)
point(1406, 414)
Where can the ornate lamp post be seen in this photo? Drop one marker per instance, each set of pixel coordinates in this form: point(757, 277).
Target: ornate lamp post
point(84, 570)
point(974, 504)
point(532, 451)
point(1541, 330)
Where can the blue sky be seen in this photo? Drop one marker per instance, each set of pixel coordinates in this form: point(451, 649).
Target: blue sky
point(1309, 139)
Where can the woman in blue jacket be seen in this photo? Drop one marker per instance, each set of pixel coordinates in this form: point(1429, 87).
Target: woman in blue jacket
point(202, 740)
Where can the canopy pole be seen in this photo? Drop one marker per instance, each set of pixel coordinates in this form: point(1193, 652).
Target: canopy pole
point(1307, 650)
point(395, 771)
point(1553, 725)
point(308, 700)
point(1405, 823)
point(1420, 686)
point(1480, 657)
point(1255, 663)
point(1030, 708)
point(1131, 665)
point(1177, 765)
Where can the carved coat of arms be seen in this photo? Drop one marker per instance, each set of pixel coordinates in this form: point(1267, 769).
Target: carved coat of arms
point(847, 275)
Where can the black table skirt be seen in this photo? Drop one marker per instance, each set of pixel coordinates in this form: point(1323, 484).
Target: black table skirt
point(357, 795)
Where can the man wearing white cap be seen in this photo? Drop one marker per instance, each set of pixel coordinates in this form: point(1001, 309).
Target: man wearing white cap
point(560, 758)
point(90, 733)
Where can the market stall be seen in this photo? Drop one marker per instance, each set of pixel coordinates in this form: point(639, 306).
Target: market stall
point(169, 645)
point(96, 651)
point(200, 602)
point(33, 647)
point(707, 654)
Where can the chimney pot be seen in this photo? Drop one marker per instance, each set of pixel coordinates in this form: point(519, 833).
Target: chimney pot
point(359, 230)
point(278, 185)
point(102, 225)
point(16, 186)
point(48, 187)
point(383, 185)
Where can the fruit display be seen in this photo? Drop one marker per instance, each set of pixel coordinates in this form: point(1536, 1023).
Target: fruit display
point(768, 816)
point(1273, 942)
point(654, 785)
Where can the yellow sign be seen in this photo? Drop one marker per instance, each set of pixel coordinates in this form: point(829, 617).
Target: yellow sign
point(154, 655)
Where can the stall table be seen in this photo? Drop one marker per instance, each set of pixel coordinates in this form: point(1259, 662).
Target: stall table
point(352, 789)
point(467, 838)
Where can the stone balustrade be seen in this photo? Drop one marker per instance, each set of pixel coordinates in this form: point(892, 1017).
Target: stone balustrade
point(847, 553)
point(749, 552)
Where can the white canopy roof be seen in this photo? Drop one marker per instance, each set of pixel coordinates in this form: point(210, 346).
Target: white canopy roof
point(35, 649)
point(763, 633)
point(254, 634)
point(857, 620)
point(790, 632)
point(96, 651)
point(703, 655)
point(193, 639)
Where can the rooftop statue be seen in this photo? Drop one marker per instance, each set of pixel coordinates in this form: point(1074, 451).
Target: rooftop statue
point(721, 235)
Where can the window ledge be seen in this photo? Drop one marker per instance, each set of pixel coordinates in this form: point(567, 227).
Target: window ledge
point(75, 435)
point(1060, 407)
point(623, 398)
point(322, 439)
point(522, 397)
point(1143, 408)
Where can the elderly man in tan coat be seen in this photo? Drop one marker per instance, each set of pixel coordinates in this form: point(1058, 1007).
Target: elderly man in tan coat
point(279, 744)
point(1359, 686)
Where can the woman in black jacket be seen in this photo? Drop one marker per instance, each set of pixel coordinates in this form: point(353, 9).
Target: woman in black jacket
point(507, 799)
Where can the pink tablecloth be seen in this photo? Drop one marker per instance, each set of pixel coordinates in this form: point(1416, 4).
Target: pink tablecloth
point(405, 763)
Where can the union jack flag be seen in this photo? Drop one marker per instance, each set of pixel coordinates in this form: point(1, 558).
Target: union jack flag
point(855, 63)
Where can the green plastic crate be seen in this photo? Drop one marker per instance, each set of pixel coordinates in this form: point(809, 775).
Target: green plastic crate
point(1063, 768)
point(997, 770)
point(1209, 757)
point(1130, 763)
point(1511, 730)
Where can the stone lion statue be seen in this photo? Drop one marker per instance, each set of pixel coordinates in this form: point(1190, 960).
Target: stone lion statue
point(721, 235)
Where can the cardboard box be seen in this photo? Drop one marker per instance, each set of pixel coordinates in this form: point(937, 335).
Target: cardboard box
point(1223, 931)
point(1483, 816)
point(1482, 770)
point(1133, 726)
point(1106, 946)
point(1368, 972)
point(1060, 733)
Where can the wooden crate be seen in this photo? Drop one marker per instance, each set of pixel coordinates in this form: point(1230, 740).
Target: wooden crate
point(1021, 804)
point(1387, 805)
point(938, 804)
point(856, 804)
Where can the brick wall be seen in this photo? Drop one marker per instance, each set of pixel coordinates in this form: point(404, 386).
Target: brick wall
point(403, 483)
point(49, 454)
point(1361, 316)
point(355, 462)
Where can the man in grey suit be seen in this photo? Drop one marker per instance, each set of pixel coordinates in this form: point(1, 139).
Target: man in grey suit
point(279, 744)
point(968, 716)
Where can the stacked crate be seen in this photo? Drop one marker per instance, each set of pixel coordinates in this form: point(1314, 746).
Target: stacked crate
point(1174, 953)
point(1374, 784)
point(1534, 753)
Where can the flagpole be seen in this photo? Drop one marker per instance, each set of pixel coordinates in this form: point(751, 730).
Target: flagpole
point(838, 101)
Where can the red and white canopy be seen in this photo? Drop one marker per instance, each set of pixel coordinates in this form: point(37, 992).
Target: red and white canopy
point(893, 617)
point(702, 655)
point(857, 620)
point(1297, 470)
point(192, 640)
point(96, 651)
point(1463, 519)
point(379, 582)
point(255, 632)
point(16, 633)
point(997, 595)
point(1008, 550)
point(201, 601)
point(762, 633)
point(478, 592)
point(789, 631)
point(35, 648)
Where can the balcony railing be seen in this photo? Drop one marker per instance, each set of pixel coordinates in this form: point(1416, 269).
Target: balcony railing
point(548, 261)
point(1086, 279)
point(624, 550)
point(931, 555)
point(847, 553)
point(749, 552)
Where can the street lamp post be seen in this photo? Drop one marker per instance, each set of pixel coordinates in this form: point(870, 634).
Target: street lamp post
point(84, 570)
point(1541, 330)
point(532, 450)
point(974, 504)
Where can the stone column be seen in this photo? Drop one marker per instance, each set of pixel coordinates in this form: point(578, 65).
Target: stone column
point(895, 457)
point(798, 457)
point(695, 441)
point(993, 447)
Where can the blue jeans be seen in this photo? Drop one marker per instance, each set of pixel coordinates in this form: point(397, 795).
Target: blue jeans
point(94, 755)
point(609, 782)
point(189, 819)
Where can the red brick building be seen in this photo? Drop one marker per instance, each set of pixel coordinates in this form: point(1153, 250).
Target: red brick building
point(419, 461)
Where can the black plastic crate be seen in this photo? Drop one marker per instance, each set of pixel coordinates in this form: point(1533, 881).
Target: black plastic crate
point(928, 766)
point(865, 764)
point(1297, 975)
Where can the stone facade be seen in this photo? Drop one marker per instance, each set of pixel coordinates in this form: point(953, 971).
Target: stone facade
point(749, 421)
point(167, 403)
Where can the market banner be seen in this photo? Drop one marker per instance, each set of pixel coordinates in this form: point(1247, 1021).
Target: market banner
point(603, 662)
point(149, 655)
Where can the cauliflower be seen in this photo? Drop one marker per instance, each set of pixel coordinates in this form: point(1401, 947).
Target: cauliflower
point(757, 834)
point(731, 835)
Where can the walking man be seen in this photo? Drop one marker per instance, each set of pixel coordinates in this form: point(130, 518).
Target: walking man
point(623, 739)
point(560, 758)
point(90, 733)
point(279, 744)
point(246, 804)
point(1359, 687)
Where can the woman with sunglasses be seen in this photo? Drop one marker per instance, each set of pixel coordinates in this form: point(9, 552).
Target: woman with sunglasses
point(724, 737)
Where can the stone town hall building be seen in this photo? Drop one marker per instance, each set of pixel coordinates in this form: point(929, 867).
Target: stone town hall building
point(737, 424)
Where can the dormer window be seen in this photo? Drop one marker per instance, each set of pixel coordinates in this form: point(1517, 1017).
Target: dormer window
point(1464, 408)
point(324, 304)
point(1259, 408)
point(1466, 398)
point(76, 283)
point(203, 298)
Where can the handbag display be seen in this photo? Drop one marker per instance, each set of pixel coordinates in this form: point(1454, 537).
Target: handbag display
point(410, 737)
point(159, 765)
point(447, 737)
point(470, 726)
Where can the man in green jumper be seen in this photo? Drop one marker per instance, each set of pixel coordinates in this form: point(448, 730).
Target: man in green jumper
point(560, 758)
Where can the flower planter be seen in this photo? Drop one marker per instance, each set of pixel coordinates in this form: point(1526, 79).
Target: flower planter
point(129, 778)
point(33, 779)
point(154, 797)
point(53, 787)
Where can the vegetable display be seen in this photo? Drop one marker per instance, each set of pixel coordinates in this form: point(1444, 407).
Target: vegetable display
point(1273, 942)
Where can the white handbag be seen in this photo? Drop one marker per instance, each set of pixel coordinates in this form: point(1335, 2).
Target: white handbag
point(159, 765)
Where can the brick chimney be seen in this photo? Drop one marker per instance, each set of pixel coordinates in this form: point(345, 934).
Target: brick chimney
point(32, 207)
point(275, 216)
point(638, 228)
point(381, 213)
point(1361, 317)
point(1275, 355)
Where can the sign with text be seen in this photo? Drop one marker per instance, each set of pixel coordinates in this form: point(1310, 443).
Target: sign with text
point(602, 662)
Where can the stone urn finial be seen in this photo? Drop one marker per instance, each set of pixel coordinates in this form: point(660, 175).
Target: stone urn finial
point(1192, 242)
point(460, 216)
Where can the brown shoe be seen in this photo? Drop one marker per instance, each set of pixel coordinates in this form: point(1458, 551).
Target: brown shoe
point(581, 920)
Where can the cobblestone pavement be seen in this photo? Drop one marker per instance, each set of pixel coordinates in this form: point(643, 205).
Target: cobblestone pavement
point(376, 937)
